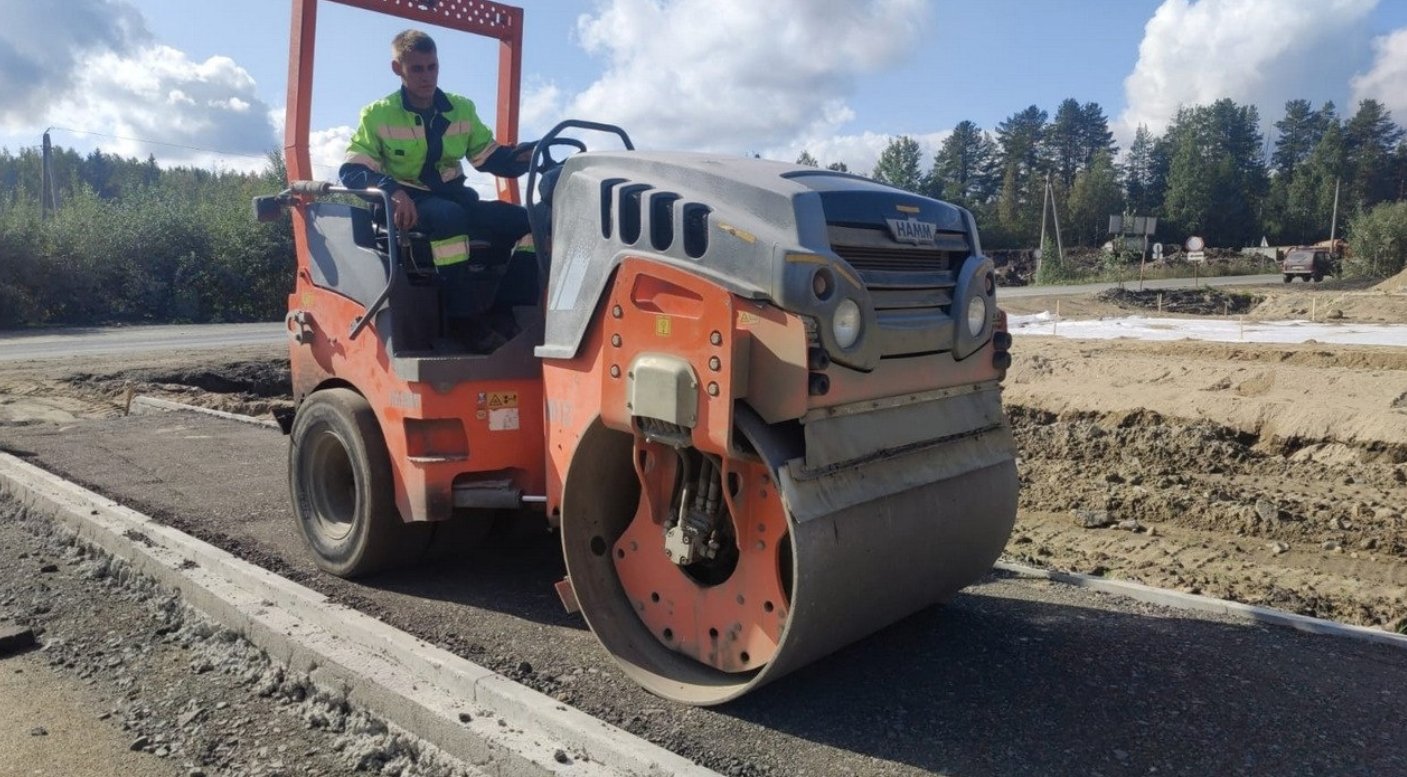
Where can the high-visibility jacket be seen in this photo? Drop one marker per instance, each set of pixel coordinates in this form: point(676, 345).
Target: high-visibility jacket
point(391, 140)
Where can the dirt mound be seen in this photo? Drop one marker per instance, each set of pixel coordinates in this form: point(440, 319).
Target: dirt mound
point(1332, 302)
point(1200, 302)
point(253, 387)
point(1397, 283)
point(1196, 506)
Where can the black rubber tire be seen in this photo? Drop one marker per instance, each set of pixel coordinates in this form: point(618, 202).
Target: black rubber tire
point(339, 475)
point(1287, 278)
point(1318, 277)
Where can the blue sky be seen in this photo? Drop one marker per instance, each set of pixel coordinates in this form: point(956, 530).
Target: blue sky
point(836, 77)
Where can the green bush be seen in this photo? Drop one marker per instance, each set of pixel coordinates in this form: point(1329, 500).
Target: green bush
point(182, 247)
point(1378, 242)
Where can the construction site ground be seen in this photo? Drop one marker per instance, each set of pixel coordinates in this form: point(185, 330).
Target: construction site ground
point(1262, 473)
point(1268, 474)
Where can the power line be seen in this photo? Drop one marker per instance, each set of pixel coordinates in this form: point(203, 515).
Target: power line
point(160, 143)
point(172, 145)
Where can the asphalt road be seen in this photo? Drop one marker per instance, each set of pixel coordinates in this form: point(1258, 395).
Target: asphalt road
point(79, 341)
point(54, 343)
point(1015, 677)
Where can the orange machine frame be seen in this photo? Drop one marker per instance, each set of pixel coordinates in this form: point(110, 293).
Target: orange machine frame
point(479, 17)
point(427, 429)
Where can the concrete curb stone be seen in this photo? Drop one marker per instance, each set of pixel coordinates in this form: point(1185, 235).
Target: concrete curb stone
point(413, 684)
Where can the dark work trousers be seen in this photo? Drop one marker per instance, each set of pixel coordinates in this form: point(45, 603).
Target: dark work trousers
point(469, 286)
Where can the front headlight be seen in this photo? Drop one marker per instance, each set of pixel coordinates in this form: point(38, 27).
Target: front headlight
point(846, 323)
point(976, 315)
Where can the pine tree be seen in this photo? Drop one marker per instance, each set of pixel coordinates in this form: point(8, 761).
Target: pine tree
point(1138, 173)
point(1064, 143)
point(900, 165)
point(965, 163)
point(1370, 138)
point(1216, 178)
point(1023, 165)
point(806, 159)
point(1299, 132)
point(1094, 196)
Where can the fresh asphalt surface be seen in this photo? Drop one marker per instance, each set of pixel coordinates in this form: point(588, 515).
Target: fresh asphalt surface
point(1015, 677)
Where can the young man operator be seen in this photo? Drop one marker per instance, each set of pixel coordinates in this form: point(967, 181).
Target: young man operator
point(409, 144)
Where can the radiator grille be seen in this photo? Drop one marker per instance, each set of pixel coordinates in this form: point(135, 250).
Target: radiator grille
point(911, 287)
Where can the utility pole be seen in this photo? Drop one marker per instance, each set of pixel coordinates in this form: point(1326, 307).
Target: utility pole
point(1334, 222)
point(1045, 206)
point(1055, 216)
point(46, 176)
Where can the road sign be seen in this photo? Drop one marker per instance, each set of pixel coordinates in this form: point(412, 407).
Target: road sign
point(1195, 243)
point(1157, 250)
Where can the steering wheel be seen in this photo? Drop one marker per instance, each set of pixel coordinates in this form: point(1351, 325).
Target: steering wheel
point(543, 163)
point(542, 160)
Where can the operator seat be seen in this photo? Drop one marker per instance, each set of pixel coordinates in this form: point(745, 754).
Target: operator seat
point(542, 214)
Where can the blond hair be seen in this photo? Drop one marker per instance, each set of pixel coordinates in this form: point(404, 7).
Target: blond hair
point(411, 40)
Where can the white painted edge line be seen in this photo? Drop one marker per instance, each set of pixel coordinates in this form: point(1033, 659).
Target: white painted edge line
point(167, 405)
point(1182, 601)
point(411, 683)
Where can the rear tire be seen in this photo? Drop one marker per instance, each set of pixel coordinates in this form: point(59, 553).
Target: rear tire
point(1287, 278)
point(340, 479)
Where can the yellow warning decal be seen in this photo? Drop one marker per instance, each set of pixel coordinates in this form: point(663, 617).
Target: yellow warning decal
point(741, 234)
point(501, 399)
point(306, 299)
point(662, 326)
point(748, 319)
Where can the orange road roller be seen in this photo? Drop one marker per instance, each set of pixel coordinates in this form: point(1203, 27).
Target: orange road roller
point(759, 401)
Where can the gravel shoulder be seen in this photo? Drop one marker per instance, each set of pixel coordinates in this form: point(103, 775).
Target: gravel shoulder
point(130, 680)
point(59, 721)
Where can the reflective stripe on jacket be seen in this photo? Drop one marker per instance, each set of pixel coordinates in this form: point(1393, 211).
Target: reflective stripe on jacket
point(390, 139)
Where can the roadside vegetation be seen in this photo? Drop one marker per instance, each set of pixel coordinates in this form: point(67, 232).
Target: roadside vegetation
point(1210, 174)
point(130, 242)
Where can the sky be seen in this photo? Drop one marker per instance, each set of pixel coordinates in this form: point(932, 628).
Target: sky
point(203, 82)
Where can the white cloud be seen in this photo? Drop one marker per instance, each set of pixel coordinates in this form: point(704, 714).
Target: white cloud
point(43, 46)
point(204, 114)
point(91, 70)
point(540, 109)
point(326, 148)
point(1261, 52)
point(735, 75)
point(1386, 82)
